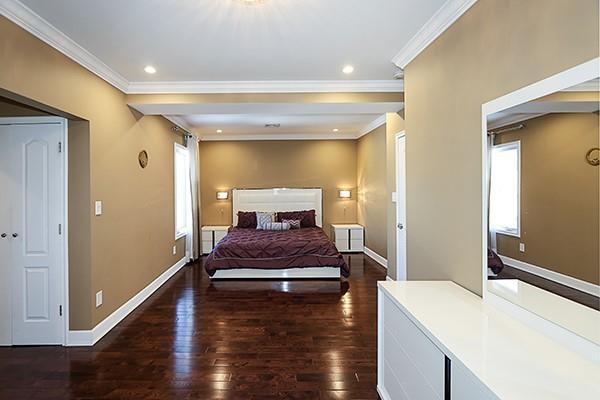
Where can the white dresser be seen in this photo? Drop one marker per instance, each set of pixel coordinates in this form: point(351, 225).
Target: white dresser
point(440, 341)
point(348, 238)
point(211, 235)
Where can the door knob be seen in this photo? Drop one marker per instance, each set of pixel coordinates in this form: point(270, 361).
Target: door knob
point(400, 225)
point(3, 235)
point(15, 235)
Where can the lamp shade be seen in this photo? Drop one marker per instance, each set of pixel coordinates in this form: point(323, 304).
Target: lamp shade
point(222, 195)
point(344, 193)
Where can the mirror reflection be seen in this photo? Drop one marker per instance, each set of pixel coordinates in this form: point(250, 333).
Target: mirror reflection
point(543, 192)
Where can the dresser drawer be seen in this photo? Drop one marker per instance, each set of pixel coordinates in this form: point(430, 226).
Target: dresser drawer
point(427, 359)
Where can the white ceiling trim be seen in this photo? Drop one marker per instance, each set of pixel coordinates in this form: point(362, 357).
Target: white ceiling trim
point(376, 123)
point(23, 16)
point(512, 119)
point(27, 19)
point(589, 86)
point(437, 24)
point(339, 86)
point(287, 136)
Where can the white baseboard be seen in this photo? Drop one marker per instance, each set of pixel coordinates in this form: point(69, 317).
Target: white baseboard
point(383, 393)
point(379, 259)
point(557, 277)
point(91, 337)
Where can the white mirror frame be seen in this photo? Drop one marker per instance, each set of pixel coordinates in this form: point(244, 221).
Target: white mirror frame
point(563, 80)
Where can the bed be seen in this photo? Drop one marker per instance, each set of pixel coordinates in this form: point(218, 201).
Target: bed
point(247, 253)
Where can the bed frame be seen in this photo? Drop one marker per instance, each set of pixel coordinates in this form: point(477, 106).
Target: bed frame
point(279, 199)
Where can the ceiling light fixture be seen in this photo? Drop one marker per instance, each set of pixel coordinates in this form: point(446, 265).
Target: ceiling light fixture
point(348, 69)
point(149, 69)
point(250, 2)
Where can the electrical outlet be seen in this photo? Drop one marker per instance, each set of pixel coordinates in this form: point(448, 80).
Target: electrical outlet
point(174, 250)
point(98, 207)
point(99, 299)
point(522, 247)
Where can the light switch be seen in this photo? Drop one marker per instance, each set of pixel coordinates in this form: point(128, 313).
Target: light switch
point(98, 208)
point(394, 197)
point(522, 247)
point(99, 299)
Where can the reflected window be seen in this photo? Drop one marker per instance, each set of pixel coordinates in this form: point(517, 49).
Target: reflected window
point(505, 188)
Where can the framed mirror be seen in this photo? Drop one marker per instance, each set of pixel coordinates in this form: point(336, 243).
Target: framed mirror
point(542, 200)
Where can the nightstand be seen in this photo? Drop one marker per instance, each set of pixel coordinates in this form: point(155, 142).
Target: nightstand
point(349, 238)
point(211, 235)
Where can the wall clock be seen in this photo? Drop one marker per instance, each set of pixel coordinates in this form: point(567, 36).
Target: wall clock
point(143, 158)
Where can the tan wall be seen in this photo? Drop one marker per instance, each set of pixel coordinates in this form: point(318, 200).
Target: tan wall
point(476, 60)
point(559, 196)
point(371, 189)
point(265, 164)
point(394, 125)
point(131, 242)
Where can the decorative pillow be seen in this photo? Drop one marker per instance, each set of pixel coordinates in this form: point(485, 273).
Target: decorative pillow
point(263, 218)
point(276, 226)
point(293, 223)
point(307, 218)
point(246, 219)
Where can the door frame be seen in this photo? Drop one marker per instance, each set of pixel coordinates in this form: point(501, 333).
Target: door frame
point(400, 135)
point(64, 214)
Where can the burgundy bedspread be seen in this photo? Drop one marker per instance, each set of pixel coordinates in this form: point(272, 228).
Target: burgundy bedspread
point(296, 248)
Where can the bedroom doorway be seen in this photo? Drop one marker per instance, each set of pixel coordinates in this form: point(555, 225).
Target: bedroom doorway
point(401, 206)
point(33, 231)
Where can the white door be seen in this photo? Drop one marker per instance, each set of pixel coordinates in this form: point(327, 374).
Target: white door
point(5, 286)
point(35, 191)
point(401, 207)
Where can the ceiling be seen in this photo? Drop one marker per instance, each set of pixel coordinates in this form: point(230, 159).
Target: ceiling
point(226, 40)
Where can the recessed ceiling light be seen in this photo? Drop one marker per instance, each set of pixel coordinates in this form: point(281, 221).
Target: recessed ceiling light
point(251, 2)
point(336, 130)
point(219, 131)
point(149, 69)
point(348, 69)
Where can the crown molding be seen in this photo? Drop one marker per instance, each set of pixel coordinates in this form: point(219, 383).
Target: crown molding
point(589, 86)
point(376, 123)
point(285, 136)
point(27, 19)
point(450, 11)
point(206, 87)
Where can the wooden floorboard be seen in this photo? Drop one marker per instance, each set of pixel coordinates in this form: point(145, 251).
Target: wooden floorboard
point(194, 339)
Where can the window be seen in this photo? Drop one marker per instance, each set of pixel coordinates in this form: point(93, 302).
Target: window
point(505, 207)
point(182, 192)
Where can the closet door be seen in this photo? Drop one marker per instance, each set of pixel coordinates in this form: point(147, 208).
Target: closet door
point(35, 170)
point(5, 230)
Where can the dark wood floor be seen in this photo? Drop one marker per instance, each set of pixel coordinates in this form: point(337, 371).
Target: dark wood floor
point(551, 286)
point(225, 340)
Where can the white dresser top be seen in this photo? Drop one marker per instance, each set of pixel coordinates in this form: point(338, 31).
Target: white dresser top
point(513, 360)
point(346, 226)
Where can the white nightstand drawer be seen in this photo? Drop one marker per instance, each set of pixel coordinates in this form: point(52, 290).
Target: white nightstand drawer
point(207, 235)
point(342, 244)
point(356, 234)
point(211, 235)
point(207, 246)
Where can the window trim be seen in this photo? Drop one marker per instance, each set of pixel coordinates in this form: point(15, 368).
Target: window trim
point(515, 144)
point(177, 148)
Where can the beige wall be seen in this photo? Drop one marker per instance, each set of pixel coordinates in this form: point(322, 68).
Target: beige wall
point(559, 196)
point(130, 244)
point(476, 60)
point(371, 189)
point(263, 164)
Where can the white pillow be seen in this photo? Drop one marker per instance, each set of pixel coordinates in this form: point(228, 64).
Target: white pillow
point(276, 226)
point(263, 218)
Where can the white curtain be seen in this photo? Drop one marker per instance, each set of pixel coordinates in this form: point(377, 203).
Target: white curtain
point(491, 232)
point(193, 238)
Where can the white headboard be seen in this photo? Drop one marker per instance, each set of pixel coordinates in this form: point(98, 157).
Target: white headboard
point(278, 199)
